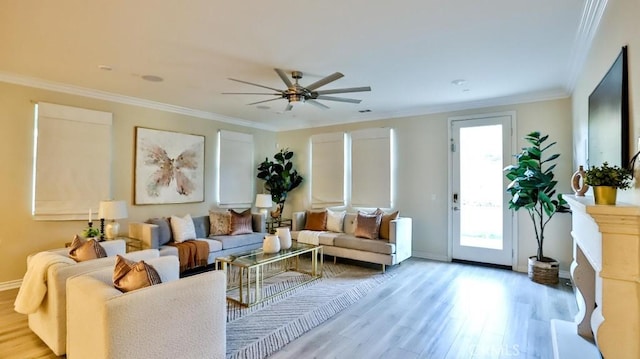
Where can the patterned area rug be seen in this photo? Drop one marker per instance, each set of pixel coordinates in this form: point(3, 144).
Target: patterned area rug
point(265, 328)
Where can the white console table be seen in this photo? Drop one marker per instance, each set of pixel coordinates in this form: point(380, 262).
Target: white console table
point(606, 273)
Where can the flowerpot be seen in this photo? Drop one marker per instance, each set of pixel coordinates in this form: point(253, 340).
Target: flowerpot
point(284, 235)
point(605, 194)
point(271, 244)
point(544, 271)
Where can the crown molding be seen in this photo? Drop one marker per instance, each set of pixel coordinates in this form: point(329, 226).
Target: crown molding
point(591, 15)
point(127, 100)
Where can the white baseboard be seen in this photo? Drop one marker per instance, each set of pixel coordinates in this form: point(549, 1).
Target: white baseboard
point(10, 284)
point(429, 255)
point(562, 274)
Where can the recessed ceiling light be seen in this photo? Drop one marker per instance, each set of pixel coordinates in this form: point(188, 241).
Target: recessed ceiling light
point(263, 107)
point(466, 90)
point(364, 111)
point(459, 82)
point(152, 78)
point(105, 67)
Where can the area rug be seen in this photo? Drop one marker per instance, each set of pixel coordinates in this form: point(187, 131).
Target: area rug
point(265, 328)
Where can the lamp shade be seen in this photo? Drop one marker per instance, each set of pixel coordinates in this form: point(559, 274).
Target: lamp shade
point(264, 201)
point(112, 209)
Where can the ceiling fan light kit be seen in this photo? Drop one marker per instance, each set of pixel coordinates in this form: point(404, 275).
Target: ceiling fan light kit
point(297, 94)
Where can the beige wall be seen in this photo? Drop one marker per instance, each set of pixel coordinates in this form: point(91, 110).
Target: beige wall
point(422, 145)
point(20, 234)
point(618, 27)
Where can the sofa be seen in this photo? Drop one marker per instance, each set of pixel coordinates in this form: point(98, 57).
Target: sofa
point(49, 320)
point(178, 318)
point(153, 236)
point(346, 244)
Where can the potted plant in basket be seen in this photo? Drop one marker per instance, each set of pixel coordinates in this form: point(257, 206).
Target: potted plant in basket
point(532, 188)
point(280, 177)
point(606, 180)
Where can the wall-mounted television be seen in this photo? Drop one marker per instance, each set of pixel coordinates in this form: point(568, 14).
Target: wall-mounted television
point(608, 139)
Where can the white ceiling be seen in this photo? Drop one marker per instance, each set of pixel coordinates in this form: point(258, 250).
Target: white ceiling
point(408, 51)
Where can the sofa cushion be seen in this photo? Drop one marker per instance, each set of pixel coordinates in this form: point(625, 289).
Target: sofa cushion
point(129, 275)
point(368, 225)
point(385, 222)
point(241, 223)
point(201, 224)
point(214, 245)
point(239, 240)
point(182, 228)
point(362, 244)
point(335, 220)
point(327, 238)
point(83, 250)
point(316, 221)
point(220, 223)
point(164, 229)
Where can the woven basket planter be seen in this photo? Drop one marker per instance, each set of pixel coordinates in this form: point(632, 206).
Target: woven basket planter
point(544, 272)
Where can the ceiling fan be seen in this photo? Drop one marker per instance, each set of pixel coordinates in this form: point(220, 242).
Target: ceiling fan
point(296, 93)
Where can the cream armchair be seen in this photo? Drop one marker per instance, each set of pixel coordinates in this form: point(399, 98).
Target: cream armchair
point(183, 318)
point(49, 320)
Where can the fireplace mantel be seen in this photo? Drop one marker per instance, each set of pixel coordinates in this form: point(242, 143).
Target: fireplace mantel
point(606, 273)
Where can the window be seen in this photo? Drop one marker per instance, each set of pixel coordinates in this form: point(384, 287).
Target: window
point(327, 167)
point(236, 173)
point(72, 161)
point(371, 164)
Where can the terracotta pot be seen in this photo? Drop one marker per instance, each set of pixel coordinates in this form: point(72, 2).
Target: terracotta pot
point(605, 194)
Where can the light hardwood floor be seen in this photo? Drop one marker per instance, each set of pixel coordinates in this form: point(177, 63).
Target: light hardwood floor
point(428, 310)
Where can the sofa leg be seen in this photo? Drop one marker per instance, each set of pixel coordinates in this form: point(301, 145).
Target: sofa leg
point(334, 259)
point(383, 267)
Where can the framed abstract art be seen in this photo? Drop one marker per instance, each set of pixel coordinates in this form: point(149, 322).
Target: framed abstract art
point(169, 167)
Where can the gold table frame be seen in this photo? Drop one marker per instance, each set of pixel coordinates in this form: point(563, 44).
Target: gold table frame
point(254, 261)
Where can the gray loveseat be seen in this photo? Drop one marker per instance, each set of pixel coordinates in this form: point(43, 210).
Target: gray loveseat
point(156, 236)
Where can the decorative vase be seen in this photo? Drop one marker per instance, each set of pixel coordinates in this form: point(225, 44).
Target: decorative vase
point(271, 244)
point(545, 271)
point(577, 182)
point(285, 237)
point(605, 194)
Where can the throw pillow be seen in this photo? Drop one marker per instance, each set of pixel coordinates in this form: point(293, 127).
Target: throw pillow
point(164, 229)
point(368, 225)
point(240, 223)
point(220, 223)
point(83, 250)
point(385, 222)
point(316, 221)
point(182, 228)
point(335, 220)
point(129, 275)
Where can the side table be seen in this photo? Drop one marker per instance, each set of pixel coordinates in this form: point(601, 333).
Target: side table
point(133, 244)
point(273, 223)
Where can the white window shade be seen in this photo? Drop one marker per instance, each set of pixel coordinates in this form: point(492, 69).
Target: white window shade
point(72, 170)
point(371, 156)
point(236, 173)
point(327, 170)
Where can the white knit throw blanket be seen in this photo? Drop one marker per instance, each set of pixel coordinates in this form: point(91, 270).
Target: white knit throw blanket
point(34, 283)
point(309, 237)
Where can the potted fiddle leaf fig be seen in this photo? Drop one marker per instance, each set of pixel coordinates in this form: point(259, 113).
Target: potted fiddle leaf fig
point(606, 180)
point(280, 177)
point(532, 188)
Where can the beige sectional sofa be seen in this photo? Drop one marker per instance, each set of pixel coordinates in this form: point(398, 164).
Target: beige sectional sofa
point(155, 236)
point(346, 245)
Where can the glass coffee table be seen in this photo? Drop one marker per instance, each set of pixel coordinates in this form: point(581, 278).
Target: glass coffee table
point(253, 267)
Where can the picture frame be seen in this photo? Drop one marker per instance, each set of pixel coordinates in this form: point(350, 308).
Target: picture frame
point(169, 167)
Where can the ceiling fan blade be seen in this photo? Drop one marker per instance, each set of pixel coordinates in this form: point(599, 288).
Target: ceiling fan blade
point(255, 103)
point(324, 81)
point(345, 90)
point(339, 99)
point(318, 104)
point(251, 93)
point(251, 83)
point(289, 107)
point(284, 78)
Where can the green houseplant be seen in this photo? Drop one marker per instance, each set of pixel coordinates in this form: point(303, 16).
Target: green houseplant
point(280, 177)
point(532, 188)
point(606, 180)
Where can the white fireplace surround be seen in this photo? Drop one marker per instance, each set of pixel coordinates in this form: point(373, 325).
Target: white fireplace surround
point(606, 274)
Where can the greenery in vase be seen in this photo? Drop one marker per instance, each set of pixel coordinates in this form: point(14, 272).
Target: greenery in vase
point(280, 177)
point(533, 185)
point(606, 175)
point(91, 232)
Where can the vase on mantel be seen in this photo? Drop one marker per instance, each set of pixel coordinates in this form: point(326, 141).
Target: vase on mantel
point(605, 194)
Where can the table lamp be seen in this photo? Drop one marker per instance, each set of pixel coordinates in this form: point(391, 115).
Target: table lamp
point(112, 210)
point(263, 203)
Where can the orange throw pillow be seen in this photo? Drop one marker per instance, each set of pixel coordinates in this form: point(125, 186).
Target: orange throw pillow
point(129, 275)
point(368, 225)
point(82, 250)
point(385, 223)
point(316, 221)
point(240, 223)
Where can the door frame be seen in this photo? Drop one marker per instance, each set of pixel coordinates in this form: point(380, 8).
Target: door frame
point(514, 146)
